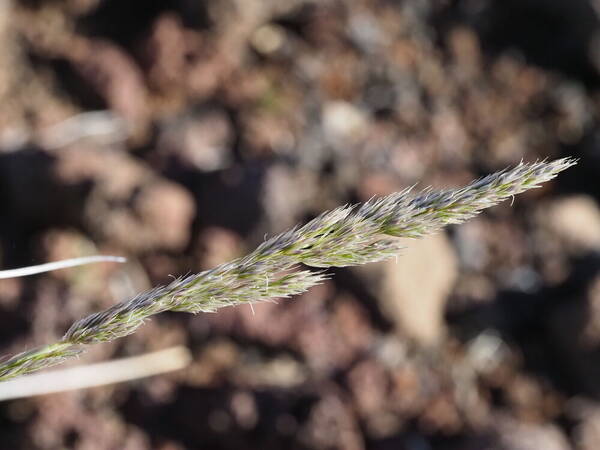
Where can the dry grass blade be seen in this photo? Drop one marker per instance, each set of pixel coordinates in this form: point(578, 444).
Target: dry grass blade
point(100, 374)
point(57, 265)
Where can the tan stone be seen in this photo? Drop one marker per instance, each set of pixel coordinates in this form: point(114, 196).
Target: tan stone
point(576, 220)
point(416, 285)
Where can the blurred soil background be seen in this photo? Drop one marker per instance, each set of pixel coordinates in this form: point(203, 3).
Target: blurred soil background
point(178, 133)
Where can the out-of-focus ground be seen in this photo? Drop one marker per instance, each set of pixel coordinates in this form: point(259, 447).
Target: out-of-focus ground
point(179, 132)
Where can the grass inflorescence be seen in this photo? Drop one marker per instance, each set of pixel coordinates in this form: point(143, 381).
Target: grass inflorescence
point(279, 267)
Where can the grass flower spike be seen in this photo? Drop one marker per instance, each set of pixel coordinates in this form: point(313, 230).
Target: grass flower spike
point(346, 236)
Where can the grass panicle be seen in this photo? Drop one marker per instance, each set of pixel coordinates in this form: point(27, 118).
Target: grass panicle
point(345, 236)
